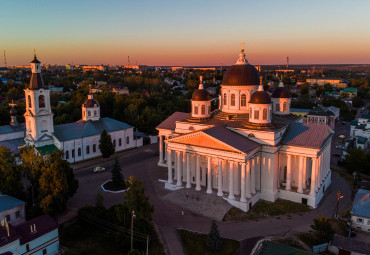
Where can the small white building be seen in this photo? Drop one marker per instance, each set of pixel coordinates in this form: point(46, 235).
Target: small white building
point(360, 213)
point(360, 130)
point(12, 209)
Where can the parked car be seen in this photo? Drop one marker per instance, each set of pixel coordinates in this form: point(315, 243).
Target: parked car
point(99, 169)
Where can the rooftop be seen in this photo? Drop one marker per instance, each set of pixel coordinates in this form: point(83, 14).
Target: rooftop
point(9, 202)
point(6, 129)
point(361, 204)
point(272, 248)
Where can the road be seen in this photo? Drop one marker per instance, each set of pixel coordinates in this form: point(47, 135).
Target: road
point(142, 163)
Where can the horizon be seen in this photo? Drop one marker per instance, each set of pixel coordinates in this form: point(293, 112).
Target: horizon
point(188, 33)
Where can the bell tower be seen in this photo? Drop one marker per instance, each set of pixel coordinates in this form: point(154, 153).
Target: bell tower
point(38, 115)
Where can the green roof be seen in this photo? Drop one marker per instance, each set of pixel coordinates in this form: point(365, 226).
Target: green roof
point(46, 149)
point(350, 90)
point(272, 248)
point(365, 116)
point(354, 123)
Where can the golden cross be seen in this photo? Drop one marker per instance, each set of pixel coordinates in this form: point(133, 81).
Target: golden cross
point(242, 47)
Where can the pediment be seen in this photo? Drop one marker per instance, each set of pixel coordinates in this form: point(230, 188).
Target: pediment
point(203, 140)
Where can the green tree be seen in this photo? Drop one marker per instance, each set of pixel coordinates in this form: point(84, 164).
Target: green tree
point(357, 160)
point(323, 230)
point(105, 145)
point(214, 240)
point(10, 176)
point(136, 200)
point(357, 102)
point(117, 176)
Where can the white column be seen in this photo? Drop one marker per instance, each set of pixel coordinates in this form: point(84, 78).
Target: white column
point(209, 175)
point(179, 161)
point(242, 184)
point(317, 174)
point(288, 172)
point(253, 176)
point(300, 173)
point(169, 165)
point(248, 189)
point(231, 180)
point(219, 192)
point(321, 168)
point(197, 173)
point(188, 185)
point(313, 177)
point(165, 148)
point(304, 172)
point(161, 149)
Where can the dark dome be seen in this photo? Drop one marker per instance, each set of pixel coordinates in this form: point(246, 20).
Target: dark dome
point(260, 97)
point(281, 92)
point(90, 103)
point(201, 95)
point(13, 112)
point(241, 75)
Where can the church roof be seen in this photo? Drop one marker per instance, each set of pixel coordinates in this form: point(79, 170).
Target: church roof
point(13, 144)
point(307, 135)
point(239, 75)
point(6, 129)
point(36, 81)
point(76, 130)
point(170, 122)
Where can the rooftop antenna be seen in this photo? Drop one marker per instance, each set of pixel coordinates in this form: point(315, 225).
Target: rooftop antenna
point(287, 62)
point(5, 59)
point(128, 59)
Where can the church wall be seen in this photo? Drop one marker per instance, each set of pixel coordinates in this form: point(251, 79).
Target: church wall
point(10, 136)
point(269, 173)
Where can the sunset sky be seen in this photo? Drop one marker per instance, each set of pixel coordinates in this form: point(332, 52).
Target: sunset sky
point(191, 32)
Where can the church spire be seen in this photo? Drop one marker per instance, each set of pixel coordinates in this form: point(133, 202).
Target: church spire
point(201, 82)
point(242, 60)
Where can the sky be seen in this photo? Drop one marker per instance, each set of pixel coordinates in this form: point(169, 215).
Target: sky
point(188, 32)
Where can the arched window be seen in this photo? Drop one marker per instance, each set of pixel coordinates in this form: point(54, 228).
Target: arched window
point(195, 109)
point(225, 99)
point(243, 100)
point(250, 112)
point(232, 100)
point(95, 113)
point(256, 114)
point(29, 102)
point(114, 142)
point(284, 107)
point(94, 148)
point(79, 152)
point(41, 101)
point(88, 113)
point(264, 116)
point(278, 107)
point(203, 109)
point(87, 149)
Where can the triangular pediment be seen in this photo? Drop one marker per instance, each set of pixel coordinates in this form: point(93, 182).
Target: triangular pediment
point(200, 139)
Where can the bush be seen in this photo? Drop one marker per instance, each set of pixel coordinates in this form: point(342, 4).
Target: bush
point(214, 241)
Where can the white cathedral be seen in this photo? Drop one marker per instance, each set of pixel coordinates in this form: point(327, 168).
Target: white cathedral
point(78, 140)
point(250, 148)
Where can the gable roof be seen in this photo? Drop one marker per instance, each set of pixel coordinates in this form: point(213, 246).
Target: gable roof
point(80, 129)
point(6, 129)
point(170, 122)
point(218, 137)
point(9, 202)
point(307, 135)
point(321, 111)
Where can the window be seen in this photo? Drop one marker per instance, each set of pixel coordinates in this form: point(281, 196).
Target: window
point(17, 214)
point(203, 109)
point(284, 107)
point(29, 102)
point(67, 154)
point(368, 222)
point(83, 113)
point(250, 112)
point(95, 113)
point(44, 251)
point(360, 220)
point(79, 152)
point(114, 142)
point(7, 217)
point(264, 116)
point(94, 148)
point(232, 99)
point(195, 109)
point(88, 113)
point(120, 142)
point(73, 153)
point(87, 149)
point(256, 114)
point(41, 101)
point(225, 99)
point(243, 100)
point(277, 107)
point(128, 140)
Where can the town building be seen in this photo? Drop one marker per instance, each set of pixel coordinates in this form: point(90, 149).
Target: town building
point(323, 115)
point(78, 141)
point(13, 209)
point(299, 112)
point(250, 148)
point(102, 68)
point(360, 213)
point(348, 92)
point(335, 82)
point(360, 130)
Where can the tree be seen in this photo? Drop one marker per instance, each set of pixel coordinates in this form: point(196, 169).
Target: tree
point(357, 160)
point(357, 102)
point(10, 176)
point(105, 145)
point(323, 230)
point(214, 240)
point(117, 177)
point(136, 200)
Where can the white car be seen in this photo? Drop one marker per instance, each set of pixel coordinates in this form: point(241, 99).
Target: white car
point(99, 169)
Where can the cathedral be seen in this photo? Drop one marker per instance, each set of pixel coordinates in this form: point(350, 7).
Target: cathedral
point(78, 140)
point(250, 148)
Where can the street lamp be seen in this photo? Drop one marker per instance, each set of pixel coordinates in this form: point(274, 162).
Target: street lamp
point(133, 216)
point(335, 213)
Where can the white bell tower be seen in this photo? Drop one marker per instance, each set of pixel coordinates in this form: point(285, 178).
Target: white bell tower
point(38, 115)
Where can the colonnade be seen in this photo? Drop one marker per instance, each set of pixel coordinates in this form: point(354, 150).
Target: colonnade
point(162, 149)
point(247, 176)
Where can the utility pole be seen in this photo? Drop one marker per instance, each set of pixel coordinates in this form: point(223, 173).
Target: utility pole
point(335, 213)
point(147, 245)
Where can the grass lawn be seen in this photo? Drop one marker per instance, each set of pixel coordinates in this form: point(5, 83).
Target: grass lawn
point(195, 244)
point(263, 209)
